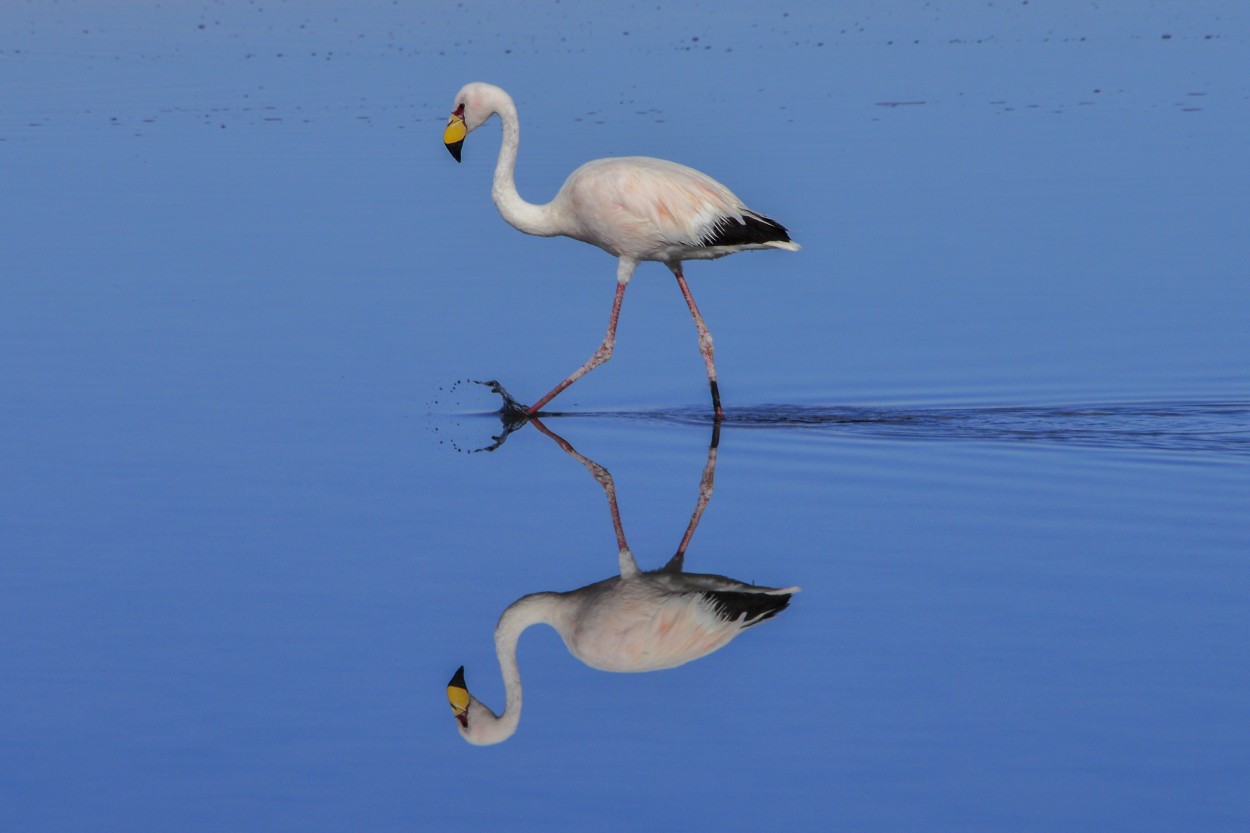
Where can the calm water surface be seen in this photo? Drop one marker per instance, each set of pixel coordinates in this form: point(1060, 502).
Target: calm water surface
point(994, 418)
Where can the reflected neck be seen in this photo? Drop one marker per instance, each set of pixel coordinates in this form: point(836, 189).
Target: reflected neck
point(528, 610)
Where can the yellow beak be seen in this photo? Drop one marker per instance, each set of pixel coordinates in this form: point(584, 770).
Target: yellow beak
point(453, 135)
point(458, 695)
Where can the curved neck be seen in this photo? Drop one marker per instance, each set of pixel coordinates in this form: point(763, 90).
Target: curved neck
point(524, 216)
point(525, 611)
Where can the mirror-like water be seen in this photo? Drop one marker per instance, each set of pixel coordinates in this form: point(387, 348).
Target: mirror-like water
point(993, 418)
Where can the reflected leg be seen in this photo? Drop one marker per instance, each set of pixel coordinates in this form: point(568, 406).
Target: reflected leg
point(706, 484)
point(604, 479)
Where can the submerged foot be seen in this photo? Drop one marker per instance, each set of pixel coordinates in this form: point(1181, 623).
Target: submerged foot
point(512, 412)
point(512, 415)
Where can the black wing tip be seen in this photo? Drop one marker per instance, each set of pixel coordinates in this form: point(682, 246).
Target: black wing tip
point(745, 607)
point(751, 230)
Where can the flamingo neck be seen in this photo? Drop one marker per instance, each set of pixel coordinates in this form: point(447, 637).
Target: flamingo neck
point(522, 215)
point(528, 610)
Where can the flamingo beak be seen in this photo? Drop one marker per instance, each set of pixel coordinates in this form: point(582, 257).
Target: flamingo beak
point(458, 696)
point(453, 135)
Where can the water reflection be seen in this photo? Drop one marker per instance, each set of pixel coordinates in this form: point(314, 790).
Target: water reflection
point(635, 621)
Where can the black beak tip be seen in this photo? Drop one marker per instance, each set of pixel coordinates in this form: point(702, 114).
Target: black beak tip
point(458, 679)
point(454, 149)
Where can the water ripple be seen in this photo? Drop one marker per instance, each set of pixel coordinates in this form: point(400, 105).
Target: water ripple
point(1220, 427)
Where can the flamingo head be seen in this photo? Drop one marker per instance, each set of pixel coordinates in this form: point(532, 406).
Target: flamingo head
point(477, 724)
point(474, 104)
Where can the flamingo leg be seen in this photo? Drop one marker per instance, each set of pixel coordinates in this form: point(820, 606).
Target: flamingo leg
point(705, 340)
point(706, 484)
point(603, 477)
point(601, 355)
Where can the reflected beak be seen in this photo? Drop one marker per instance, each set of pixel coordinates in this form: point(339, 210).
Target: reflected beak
point(453, 135)
point(457, 692)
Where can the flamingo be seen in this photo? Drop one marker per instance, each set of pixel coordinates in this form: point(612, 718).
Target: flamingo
point(635, 208)
point(636, 621)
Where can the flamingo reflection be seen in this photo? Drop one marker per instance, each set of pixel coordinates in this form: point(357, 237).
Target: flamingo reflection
point(640, 620)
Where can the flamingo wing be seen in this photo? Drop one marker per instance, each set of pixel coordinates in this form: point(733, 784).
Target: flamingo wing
point(650, 209)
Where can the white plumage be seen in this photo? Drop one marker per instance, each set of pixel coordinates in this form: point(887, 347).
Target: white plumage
point(644, 621)
point(635, 208)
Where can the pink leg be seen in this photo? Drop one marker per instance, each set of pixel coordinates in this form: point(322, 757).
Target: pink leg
point(676, 563)
point(601, 475)
point(705, 340)
point(601, 355)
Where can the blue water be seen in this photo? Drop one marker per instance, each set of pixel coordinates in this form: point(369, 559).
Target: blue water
point(994, 418)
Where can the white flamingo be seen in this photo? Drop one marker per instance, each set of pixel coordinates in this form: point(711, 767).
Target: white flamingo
point(636, 208)
point(637, 621)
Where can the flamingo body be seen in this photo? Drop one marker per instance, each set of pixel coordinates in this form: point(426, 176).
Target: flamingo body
point(641, 208)
point(632, 623)
point(659, 620)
